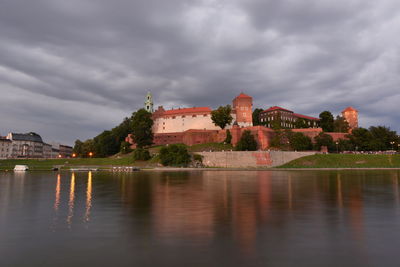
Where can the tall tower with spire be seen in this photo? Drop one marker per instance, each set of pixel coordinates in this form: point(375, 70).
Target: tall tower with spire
point(148, 103)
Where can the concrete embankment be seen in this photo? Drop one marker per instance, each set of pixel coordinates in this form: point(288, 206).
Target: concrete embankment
point(252, 159)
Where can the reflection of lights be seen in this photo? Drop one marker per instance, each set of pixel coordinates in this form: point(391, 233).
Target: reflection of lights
point(339, 191)
point(71, 200)
point(88, 197)
point(290, 194)
point(58, 187)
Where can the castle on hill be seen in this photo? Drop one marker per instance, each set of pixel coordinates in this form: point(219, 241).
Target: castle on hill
point(194, 125)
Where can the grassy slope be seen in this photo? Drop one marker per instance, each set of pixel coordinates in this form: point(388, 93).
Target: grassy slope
point(41, 164)
point(345, 161)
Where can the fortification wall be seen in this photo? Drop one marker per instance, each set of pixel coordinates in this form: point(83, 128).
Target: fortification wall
point(252, 159)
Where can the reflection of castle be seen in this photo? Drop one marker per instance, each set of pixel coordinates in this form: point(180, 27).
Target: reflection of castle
point(194, 125)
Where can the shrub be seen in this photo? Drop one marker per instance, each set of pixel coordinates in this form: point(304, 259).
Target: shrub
point(228, 138)
point(197, 157)
point(299, 141)
point(246, 142)
point(141, 154)
point(174, 155)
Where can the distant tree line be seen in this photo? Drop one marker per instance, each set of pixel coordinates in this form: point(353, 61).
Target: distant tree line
point(110, 142)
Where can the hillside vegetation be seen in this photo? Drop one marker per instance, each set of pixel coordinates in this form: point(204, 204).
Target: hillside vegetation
point(345, 161)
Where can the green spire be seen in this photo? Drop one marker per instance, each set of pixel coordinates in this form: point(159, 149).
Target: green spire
point(148, 103)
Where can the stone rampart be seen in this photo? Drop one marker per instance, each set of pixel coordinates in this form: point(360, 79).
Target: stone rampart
point(244, 159)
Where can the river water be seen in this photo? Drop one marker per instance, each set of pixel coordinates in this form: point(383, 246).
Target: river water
point(200, 218)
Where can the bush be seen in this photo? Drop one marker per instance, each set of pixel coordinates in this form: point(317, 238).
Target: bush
point(246, 142)
point(141, 154)
point(197, 157)
point(300, 142)
point(228, 138)
point(174, 155)
point(125, 148)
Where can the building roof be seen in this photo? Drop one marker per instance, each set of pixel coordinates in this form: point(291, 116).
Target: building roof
point(32, 137)
point(349, 109)
point(242, 95)
point(183, 111)
point(305, 117)
point(4, 139)
point(276, 108)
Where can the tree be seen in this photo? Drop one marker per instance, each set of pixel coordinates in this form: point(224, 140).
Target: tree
point(300, 123)
point(141, 154)
point(78, 148)
point(228, 138)
point(361, 139)
point(324, 139)
point(142, 124)
point(175, 155)
point(105, 144)
point(382, 137)
point(222, 116)
point(125, 147)
point(300, 142)
point(326, 121)
point(340, 125)
point(246, 142)
point(256, 116)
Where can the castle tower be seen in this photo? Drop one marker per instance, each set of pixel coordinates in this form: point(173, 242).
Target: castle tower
point(243, 108)
point(148, 103)
point(350, 114)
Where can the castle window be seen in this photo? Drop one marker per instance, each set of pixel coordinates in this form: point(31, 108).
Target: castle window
point(194, 116)
point(173, 117)
point(183, 116)
point(205, 115)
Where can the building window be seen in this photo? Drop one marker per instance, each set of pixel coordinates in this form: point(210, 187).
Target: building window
point(194, 116)
point(173, 117)
point(183, 116)
point(205, 115)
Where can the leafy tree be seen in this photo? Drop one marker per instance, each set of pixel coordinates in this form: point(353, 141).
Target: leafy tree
point(361, 139)
point(222, 116)
point(87, 147)
point(78, 148)
point(300, 142)
point(141, 154)
point(345, 145)
point(324, 139)
point(256, 116)
point(125, 147)
point(175, 155)
point(340, 125)
point(300, 123)
point(106, 144)
point(228, 138)
point(326, 121)
point(246, 142)
point(381, 137)
point(280, 139)
point(142, 124)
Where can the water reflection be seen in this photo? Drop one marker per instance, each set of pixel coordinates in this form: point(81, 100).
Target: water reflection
point(88, 197)
point(245, 217)
point(71, 200)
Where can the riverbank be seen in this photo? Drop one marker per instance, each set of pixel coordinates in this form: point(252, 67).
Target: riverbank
point(344, 161)
point(318, 161)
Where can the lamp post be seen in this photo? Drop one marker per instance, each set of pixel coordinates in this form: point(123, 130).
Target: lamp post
point(337, 147)
point(392, 143)
point(90, 154)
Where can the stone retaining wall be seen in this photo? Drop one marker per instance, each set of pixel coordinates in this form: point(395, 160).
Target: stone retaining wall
point(243, 159)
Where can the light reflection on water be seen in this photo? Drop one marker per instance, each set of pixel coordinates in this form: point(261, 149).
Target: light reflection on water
point(215, 218)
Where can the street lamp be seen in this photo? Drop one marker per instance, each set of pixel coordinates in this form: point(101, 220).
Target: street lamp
point(392, 143)
point(90, 154)
point(337, 147)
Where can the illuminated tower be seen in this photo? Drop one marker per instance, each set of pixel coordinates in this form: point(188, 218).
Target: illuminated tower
point(243, 108)
point(350, 114)
point(148, 103)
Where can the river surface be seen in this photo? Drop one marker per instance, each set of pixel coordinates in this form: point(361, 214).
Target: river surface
point(200, 218)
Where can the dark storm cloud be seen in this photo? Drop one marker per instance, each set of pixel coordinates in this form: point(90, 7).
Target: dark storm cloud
point(70, 69)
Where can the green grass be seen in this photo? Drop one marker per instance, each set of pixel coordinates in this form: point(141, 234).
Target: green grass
point(48, 164)
point(345, 161)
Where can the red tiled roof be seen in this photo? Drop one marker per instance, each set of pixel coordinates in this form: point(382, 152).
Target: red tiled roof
point(276, 108)
point(242, 95)
point(305, 117)
point(349, 109)
point(187, 111)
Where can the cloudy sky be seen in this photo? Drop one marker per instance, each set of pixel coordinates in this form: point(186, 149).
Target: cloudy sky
point(71, 69)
